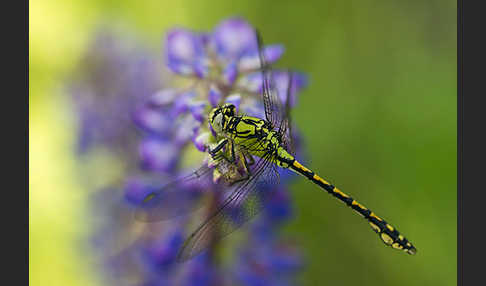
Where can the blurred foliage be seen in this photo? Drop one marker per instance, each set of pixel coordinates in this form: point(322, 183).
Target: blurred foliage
point(378, 118)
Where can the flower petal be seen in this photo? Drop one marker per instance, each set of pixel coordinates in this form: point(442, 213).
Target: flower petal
point(254, 82)
point(163, 97)
point(251, 62)
point(251, 82)
point(273, 53)
point(197, 110)
point(163, 253)
point(281, 82)
point(234, 99)
point(136, 190)
point(184, 51)
point(158, 155)
point(230, 73)
point(181, 104)
point(152, 120)
point(214, 96)
point(186, 128)
point(201, 67)
point(233, 38)
point(201, 141)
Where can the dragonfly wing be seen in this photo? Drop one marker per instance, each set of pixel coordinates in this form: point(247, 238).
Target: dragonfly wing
point(175, 198)
point(275, 112)
point(286, 125)
point(246, 200)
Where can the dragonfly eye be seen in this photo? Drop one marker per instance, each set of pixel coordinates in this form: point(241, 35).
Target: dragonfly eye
point(217, 122)
point(229, 110)
point(219, 116)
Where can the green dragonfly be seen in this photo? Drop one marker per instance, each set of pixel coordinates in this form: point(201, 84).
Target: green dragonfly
point(256, 146)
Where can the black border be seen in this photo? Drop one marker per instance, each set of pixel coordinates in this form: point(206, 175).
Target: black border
point(14, 122)
point(471, 143)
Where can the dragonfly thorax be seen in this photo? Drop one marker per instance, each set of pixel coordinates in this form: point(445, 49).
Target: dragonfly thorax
point(253, 134)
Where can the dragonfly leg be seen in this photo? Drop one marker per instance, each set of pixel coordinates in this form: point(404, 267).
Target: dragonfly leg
point(240, 163)
point(216, 149)
point(219, 147)
point(244, 162)
point(232, 150)
point(249, 160)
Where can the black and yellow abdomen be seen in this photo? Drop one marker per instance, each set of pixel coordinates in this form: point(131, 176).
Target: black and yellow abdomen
point(257, 136)
point(388, 234)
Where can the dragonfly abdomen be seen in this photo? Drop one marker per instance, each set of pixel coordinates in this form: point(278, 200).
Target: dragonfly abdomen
point(388, 234)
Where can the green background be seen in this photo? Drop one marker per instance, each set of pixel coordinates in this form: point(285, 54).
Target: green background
point(378, 120)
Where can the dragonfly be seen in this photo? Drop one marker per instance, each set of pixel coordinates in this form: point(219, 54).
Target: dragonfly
point(247, 155)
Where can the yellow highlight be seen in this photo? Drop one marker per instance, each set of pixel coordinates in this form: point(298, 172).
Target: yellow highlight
point(301, 167)
point(355, 203)
point(149, 197)
point(375, 227)
point(400, 237)
point(396, 245)
point(316, 177)
point(386, 238)
point(375, 216)
point(336, 190)
point(390, 227)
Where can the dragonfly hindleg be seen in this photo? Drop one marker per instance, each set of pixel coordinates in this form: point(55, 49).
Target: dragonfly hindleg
point(249, 160)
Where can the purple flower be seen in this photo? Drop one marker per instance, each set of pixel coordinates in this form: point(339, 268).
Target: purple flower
point(162, 253)
point(185, 53)
point(109, 85)
point(159, 155)
point(169, 119)
point(234, 38)
point(232, 75)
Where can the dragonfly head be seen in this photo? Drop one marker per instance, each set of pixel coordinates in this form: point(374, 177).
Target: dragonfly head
point(219, 116)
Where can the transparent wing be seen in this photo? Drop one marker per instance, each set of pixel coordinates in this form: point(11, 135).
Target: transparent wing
point(287, 123)
point(275, 112)
point(246, 200)
point(175, 198)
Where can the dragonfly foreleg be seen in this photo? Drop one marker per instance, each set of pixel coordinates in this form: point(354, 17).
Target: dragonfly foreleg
point(221, 144)
point(218, 148)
